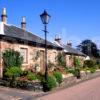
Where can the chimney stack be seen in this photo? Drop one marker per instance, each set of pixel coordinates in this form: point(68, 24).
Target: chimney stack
point(69, 44)
point(23, 23)
point(4, 15)
point(58, 39)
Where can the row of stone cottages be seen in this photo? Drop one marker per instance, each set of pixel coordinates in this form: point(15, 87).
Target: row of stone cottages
point(28, 44)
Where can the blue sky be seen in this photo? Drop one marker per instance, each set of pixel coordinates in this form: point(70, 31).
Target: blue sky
point(74, 20)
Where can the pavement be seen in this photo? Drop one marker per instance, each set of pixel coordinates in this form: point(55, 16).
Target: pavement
point(88, 90)
point(16, 94)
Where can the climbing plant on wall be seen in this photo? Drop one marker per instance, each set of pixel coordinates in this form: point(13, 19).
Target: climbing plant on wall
point(12, 58)
point(61, 59)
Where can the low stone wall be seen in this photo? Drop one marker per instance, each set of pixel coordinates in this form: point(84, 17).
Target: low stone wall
point(71, 80)
point(68, 80)
point(88, 75)
point(25, 85)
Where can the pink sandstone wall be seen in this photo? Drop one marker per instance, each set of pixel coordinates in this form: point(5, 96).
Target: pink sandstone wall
point(70, 60)
point(52, 53)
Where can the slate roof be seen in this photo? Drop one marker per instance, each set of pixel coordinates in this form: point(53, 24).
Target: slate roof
point(15, 32)
point(71, 50)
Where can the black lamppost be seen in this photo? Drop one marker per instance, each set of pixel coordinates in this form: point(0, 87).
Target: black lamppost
point(45, 20)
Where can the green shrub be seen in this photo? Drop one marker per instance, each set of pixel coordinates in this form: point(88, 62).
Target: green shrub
point(75, 72)
point(13, 72)
point(89, 63)
point(24, 73)
point(58, 76)
point(49, 84)
point(12, 58)
point(77, 62)
point(92, 70)
point(31, 76)
point(40, 76)
point(71, 71)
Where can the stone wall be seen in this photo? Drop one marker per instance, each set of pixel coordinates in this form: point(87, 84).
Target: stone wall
point(70, 60)
point(52, 53)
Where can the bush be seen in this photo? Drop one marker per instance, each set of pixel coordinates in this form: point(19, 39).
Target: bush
point(77, 62)
point(75, 72)
point(92, 70)
point(71, 71)
point(49, 84)
point(31, 76)
point(98, 64)
point(13, 72)
point(58, 76)
point(24, 73)
point(12, 58)
point(40, 76)
point(89, 63)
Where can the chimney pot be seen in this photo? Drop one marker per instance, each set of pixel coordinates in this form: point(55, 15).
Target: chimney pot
point(69, 44)
point(24, 19)
point(4, 15)
point(58, 39)
point(23, 23)
point(4, 11)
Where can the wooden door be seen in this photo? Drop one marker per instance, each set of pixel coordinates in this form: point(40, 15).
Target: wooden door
point(42, 61)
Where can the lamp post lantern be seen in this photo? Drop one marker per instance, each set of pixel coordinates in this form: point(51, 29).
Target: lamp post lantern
point(45, 20)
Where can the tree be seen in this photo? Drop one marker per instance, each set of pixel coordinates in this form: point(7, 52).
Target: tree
point(89, 48)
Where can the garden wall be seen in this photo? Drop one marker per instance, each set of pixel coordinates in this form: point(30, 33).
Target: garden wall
point(71, 80)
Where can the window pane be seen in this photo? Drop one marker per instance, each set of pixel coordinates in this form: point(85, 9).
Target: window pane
point(23, 52)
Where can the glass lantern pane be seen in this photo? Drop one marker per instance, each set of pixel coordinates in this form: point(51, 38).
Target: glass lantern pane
point(45, 17)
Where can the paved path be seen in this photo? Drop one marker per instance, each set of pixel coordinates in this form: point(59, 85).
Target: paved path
point(16, 94)
point(89, 90)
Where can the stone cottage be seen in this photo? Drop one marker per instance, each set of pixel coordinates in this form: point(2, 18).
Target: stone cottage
point(70, 52)
point(29, 45)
